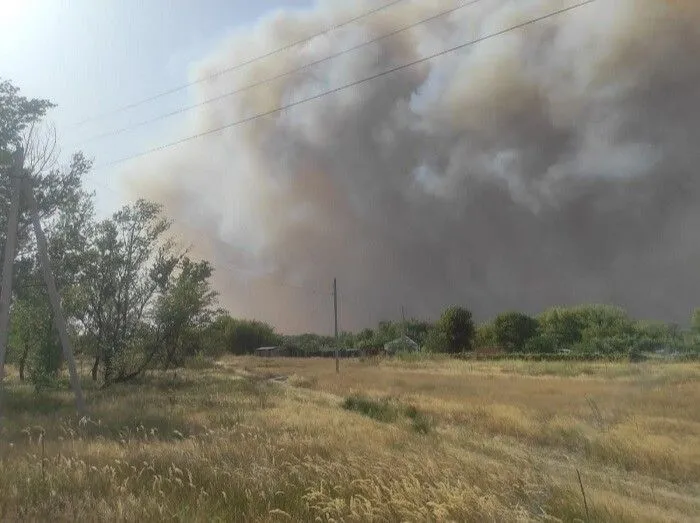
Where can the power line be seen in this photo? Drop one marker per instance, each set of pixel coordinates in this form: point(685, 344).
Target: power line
point(348, 85)
point(238, 65)
point(378, 75)
point(278, 76)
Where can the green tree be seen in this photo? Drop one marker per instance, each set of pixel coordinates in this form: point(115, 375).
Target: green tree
point(454, 331)
point(513, 330)
point(604, 322)
point(539, 344)
point(244, 336)
point(485, 336)
point(33, 337)
point(183, 312)
point(129, 263)
point(385, 332)
point(695, 321)
point(418, 330)
point(65, 211)
point(562, 326)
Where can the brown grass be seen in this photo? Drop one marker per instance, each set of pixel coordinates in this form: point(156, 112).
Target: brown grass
point(276, 440)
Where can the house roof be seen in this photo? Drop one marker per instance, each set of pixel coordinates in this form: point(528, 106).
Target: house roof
point(403, 339)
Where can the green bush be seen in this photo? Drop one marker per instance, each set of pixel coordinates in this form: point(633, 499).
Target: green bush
point(485, 336)
point(236, 336)
point(453, 333)
point(540, 344)
point(513, 330)
point(380, 410)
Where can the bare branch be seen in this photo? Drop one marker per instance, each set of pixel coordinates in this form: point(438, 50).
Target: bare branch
point(41, 148)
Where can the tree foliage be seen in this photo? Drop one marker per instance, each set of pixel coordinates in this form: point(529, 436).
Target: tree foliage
point(183, 311)
point(513, 330)
point(695, 321)
point(66, 214)
point(454, 331)
point(17, 113)
point(244, 336)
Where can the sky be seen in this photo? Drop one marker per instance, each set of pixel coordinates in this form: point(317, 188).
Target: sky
point(90, 57)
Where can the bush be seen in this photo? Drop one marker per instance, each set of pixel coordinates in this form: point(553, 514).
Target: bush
point(513, 330)
point(380, 410)
point(485, 336)
point(540, 344)
point(239, 336)
point(636, 356)
point(453, 333)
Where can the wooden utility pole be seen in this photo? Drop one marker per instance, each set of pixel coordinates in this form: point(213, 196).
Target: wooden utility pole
point(20, 183)
point(54, 298)
point(8, 261)
point(335, 313)
point(403, 321)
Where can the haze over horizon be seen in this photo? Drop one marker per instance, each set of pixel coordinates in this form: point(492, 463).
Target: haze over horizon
point(551, 165)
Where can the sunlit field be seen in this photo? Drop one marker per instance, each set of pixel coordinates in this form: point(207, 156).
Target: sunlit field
point(289, 440)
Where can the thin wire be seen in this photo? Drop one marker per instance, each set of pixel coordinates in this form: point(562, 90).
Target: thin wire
point(461, 46)
point(278, 76)
point(238, 65)
point(345, 86)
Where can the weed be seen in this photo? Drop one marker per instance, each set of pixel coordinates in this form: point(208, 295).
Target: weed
point(421, 422)
point(380, 410)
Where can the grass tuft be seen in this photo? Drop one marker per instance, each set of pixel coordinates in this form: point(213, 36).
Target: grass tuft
point(380, 410)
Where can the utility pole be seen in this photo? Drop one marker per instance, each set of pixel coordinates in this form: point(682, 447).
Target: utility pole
point(54, 298)
point(403, 321)
point(335, 313)
point(8, 261)
point(20, 183)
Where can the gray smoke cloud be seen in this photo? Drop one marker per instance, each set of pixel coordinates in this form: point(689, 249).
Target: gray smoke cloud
point(555, 164)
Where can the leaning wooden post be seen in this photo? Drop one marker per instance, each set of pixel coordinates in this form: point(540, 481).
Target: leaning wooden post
point(9, 260)
point(54, 298)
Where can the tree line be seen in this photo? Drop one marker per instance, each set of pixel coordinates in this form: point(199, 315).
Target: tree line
point(135, 300)
point(587, 330)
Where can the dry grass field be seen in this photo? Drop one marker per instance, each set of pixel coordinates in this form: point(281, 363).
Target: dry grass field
point(254, 439)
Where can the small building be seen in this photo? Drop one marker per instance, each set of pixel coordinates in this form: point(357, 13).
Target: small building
point(402, 344)
point(272, 352)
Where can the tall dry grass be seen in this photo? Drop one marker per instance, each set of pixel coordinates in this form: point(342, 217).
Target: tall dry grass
point(279, 440)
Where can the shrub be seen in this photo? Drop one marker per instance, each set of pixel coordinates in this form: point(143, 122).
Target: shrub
point(485, 336)
point(513, 330)
point(380, 410)
point(636, 356)
point(244, 336)
point(540, 344)
point(454, 332)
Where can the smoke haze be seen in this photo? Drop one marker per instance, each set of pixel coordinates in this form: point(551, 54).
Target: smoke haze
point(555, 164)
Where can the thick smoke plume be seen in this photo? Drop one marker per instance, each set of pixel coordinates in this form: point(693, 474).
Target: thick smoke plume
point(555, 164)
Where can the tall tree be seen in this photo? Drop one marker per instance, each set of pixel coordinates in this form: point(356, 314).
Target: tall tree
point(512, 330)
point(183, 311)
point(454, 331)
point(65, 211)
point(129, 261)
